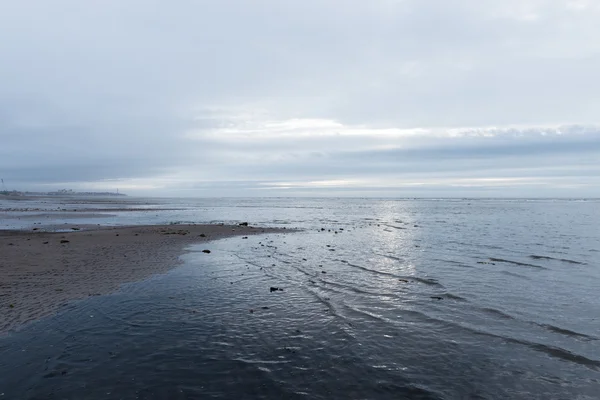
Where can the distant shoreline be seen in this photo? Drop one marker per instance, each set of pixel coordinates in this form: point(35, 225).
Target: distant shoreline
point(43, 270)
point(17, 194)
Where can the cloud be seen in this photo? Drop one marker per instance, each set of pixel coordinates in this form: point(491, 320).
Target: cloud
point(236, 97)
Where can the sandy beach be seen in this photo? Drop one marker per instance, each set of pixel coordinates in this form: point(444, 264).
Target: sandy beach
point(40, 271)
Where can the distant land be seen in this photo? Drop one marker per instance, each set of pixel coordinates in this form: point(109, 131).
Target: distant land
point(62, 192)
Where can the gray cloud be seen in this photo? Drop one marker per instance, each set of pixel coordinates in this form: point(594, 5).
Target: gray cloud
point(329, 96)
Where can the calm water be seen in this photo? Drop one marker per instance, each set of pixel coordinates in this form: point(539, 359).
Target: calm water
point(423, 299)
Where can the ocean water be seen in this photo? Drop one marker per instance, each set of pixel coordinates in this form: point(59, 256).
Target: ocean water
point(380, 299)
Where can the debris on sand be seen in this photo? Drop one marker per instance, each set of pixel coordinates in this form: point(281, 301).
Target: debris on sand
point(243, 224)
point(64, 241)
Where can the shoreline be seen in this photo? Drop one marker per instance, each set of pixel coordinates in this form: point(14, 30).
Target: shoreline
point(40, 271)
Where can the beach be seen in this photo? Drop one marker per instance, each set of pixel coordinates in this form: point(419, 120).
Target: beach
point(364, 298)
point(42, 270)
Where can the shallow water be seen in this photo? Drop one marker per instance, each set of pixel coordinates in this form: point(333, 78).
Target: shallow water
point(409, 299)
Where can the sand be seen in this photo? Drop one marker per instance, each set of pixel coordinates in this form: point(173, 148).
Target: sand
point(41, 271)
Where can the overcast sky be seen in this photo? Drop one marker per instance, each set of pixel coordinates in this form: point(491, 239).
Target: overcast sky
point(308, 97)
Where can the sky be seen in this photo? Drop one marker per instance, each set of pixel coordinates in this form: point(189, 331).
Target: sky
point(382, 98)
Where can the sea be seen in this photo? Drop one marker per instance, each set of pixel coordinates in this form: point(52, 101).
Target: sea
point(356, 299)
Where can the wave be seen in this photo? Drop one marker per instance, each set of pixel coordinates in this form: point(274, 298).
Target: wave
point(567, 332)
point(374, 271)
point(394, 226)
point(454, 297)
point(535, 257)
point(562, 354)
point(502, 260)
point(390, 257)
point(426, 281)
point(354, 289)
point(498, 313)
point(514, 274)
point(552, 351)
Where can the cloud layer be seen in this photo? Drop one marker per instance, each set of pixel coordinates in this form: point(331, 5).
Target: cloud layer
point(398, 98)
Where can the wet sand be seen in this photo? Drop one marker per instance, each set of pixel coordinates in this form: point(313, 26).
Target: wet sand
point(40, 271)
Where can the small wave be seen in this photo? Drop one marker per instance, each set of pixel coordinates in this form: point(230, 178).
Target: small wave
point(354, 289)
point(391, 257)
point(555, 352)
point(454, 297)
point(502, 260)
point(426, 281)
point(556, 259)
point(453, 262)
point(567, 332)
point(394, 226)
point(246, 361)
point(374, 271)
point(485, 246)
point(497, 313)
point(559, 353)
point(368, 314)
point(514, 274)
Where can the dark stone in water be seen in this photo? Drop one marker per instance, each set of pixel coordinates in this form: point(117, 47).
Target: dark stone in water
point(243, 224)
point(437, 297)
point(64, 241)
point(206, 251)
point(275, 289)
point(202, 235)
point(323, 272)
point(403, 280)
